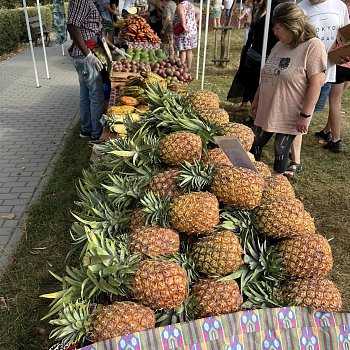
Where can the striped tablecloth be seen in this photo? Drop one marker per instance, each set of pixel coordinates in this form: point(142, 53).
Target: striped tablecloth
point(269, 329)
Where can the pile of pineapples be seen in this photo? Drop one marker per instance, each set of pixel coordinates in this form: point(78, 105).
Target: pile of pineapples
point(168, 230)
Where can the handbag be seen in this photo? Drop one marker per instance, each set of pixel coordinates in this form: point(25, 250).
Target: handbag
point(178, 29)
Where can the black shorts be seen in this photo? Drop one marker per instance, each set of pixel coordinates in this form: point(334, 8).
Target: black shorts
point(343, 75)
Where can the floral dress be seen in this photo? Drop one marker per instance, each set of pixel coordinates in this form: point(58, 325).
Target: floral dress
point(187, 40)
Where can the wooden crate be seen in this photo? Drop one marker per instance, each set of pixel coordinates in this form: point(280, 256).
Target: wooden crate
point(118, 79)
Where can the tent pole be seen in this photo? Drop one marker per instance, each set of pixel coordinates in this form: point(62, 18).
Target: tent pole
point(63, 54)
point(31, 43)
point(205, 42)
point(199, 37)
point(266, 34)
point(42, 39)
point(240, 13)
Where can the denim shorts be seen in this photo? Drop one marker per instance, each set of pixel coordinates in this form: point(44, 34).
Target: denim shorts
point(326, 88)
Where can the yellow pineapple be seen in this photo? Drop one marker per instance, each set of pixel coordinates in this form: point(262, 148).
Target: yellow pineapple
point(216, 156)
point(155, 241)
point(243, 133)
point(122, 318)
point(277, 186)
point(179, 147)
point(166, 183)
point(283, 217)
point(217, 115)
point(204, 99)
point(213, 297)
point(218, 254)
point(137, 219)
point(194, 213)
point(77, 321)
point(316, 293)
point(160, 284)
point(306, 256)
point(262, 168)
point(237, 187)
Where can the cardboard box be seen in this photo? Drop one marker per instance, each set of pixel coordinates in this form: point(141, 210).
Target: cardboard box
point(341, 48)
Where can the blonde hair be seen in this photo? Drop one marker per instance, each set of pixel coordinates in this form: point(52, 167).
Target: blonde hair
point(292, 17)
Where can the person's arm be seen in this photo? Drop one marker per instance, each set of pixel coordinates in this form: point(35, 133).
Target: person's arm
point(108, 8)
point(196, 13)
point(166, 23)
point(255, 103)
point(181, 13)
point(76, 36)
point(316, 82)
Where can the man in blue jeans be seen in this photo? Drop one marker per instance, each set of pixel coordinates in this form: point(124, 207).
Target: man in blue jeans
point(83, 26)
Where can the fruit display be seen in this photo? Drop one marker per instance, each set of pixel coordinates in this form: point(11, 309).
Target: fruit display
point(136, 29)
point(167, 229)
point(169, 69)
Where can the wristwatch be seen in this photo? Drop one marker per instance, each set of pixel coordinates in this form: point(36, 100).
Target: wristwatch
point(305, 115)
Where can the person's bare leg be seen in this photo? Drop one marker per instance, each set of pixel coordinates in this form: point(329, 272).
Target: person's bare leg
point(183, 55)
point(346, 85)
point(295, 151)
point(189, 59)
point(334, 115)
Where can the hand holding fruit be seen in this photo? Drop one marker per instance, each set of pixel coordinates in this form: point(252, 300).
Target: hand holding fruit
point(119, 52)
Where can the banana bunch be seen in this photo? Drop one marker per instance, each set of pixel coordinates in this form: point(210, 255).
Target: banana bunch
point(134, 81)
point(133, 91)
point(116, 123)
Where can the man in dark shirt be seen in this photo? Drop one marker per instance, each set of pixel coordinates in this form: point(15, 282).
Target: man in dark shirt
point(83, 26)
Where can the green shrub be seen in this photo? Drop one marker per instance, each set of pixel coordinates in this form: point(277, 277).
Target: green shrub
point(13, 27)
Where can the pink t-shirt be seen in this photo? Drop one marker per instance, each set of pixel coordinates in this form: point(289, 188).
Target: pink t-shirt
point(284, 83)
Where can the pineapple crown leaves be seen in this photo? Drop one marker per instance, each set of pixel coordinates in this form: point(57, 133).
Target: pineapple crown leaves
point(110, 265)
point(196, 176)
point(238, 221)
point(103, 218)
point(156, 209)
point(73, 324)
point(126, 190)
point(75, 285)
point(89, 198)
point(184, 313)
point(261, 294)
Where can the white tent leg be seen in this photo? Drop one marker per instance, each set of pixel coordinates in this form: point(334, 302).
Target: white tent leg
point(63, 54)
point(266, 33)
point(199, 37)
point(205, 42)
point(42, 39)
point(31, 43)
point(240, 13)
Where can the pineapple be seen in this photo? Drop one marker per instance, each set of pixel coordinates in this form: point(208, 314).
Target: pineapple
point(78, 322)
point(160, 284)
point(242, 132)
point(137, 219)
point(166, 183)
point(262, 168)
point(316, 293)
point(217, 115)
point(154, 241)
point(195, 213)
point(283, 217)
point(306, 256)
point(179, 147)
point(216, 156)
point(205, 99)
point(218, 254)
point(277, 186)
point(237, 187)
point(213, 297)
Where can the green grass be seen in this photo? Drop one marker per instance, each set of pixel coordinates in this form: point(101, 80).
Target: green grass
point(323, 186)
point(44, 247)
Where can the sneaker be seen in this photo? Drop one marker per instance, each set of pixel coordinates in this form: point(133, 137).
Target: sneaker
point(84, 134)
point(95, 140)
point(335, 147)
point(323, 135)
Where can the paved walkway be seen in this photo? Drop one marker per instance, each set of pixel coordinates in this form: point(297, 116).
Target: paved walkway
point(33, 123)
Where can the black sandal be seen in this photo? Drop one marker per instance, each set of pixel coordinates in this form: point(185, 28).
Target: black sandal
point(293, 169)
